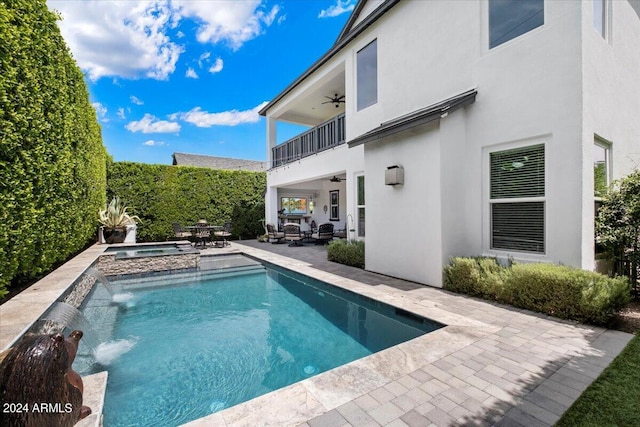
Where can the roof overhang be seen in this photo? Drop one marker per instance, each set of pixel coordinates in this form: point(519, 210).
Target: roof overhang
point(419, 117)
point(343, 40)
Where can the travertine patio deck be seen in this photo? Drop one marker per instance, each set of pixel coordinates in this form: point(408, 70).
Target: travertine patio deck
point(492, 365)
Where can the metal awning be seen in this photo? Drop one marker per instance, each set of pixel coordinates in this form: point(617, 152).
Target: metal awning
point(416, 118)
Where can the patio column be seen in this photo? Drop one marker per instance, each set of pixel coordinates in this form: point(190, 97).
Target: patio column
point(271, 139)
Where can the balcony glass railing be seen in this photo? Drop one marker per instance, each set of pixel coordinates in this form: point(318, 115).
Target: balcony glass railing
point(322, 137)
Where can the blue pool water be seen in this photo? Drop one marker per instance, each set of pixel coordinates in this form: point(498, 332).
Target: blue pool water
point(212, 342)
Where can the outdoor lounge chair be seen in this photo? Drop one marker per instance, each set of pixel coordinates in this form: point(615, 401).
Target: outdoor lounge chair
point(324, 233)
point(292, 234)
point(179, 233)
point(274, 235)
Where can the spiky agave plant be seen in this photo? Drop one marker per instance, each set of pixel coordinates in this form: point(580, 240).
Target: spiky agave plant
point(115, 215)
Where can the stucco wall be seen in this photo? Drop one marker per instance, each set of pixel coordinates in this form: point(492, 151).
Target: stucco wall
point(404, 221)
point(529, 91)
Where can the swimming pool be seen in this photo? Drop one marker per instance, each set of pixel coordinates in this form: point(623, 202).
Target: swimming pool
point(199, 343)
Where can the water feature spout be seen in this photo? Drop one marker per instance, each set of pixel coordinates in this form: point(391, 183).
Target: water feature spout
point(100, 277)
point(70, 317)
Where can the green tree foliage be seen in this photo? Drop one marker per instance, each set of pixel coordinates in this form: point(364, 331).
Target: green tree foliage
point(52, 161)
point(618, 222)
point(162, 194)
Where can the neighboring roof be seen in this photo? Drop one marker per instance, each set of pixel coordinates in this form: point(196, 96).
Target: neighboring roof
point(212, 162)
point(346, 36)
point(417, 118)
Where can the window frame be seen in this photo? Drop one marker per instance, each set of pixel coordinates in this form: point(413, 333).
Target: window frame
point(360, 231)
point(604, 18)
point(489, 202)
point(334, 205)
point(489, 46)
point(606, 146)
point(361, 104)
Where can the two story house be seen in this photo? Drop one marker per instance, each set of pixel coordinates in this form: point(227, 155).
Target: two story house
point(462, 128)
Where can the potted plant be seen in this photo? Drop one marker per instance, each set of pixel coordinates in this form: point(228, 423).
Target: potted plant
point(114, 220)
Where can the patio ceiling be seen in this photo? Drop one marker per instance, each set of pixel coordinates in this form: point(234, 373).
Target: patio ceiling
point(307, 107)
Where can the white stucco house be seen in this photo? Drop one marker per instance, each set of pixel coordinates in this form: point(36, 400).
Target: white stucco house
point(462, 128)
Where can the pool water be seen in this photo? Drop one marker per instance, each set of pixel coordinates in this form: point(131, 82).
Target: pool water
point(215, 341)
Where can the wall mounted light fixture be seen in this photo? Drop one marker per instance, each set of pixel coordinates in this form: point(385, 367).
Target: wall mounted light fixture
point(394, 175)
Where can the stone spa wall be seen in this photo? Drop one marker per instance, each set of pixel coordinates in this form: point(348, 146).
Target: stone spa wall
point(110, 266)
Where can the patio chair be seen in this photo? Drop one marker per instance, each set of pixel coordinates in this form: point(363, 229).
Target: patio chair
point(341, 233)
point(274, 234)
point(223, 234)
point(179, 233)
point(324, 233)
point(292, 234)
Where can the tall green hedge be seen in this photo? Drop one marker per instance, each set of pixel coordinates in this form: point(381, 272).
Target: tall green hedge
point(52, 161)
point(162, 194)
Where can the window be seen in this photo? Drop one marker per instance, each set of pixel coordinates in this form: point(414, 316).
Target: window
point(509, 19)
point(293, 205)
point(360, 205)
point(517, 190)
point(334, 205)
point(600, 168)
point(600, 16)
point(367, 75)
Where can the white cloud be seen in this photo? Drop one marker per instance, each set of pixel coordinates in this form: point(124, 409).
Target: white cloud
point(341, 6)
point(101, 111)
point(229, 21)
point(135, 100)
point(121, 113)
point(191, 73)
point(151, 124)
point(204, 119)
point(120, 38)
point(217, 66)
point(131, 39)
point(152, 143)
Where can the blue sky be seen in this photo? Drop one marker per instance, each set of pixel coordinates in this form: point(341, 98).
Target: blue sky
point(190, 76)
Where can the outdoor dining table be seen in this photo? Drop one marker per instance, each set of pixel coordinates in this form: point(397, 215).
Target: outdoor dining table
point(205, 237)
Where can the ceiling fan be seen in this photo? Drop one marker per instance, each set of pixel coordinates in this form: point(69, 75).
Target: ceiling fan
point(335, 100)
point(336, 179)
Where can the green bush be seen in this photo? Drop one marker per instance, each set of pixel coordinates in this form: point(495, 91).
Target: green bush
point(348, 253)
point(52, 161)
point(163, 194)
point(560, 291)
point(566, 292)
point(482, 277)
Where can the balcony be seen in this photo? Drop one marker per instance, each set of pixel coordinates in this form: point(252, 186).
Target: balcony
point(322, 137)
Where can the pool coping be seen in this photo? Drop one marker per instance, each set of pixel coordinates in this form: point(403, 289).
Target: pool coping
point(433, 371)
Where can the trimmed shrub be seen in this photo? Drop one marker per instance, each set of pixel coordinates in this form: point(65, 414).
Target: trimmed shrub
point(482, 277)
point(163, 194)
point(52, 161)
point(348, 253)
point(560, 291)
point(568, 293)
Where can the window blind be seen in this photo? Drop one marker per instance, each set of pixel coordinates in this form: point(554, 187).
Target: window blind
point(518, 226)
point(517, 173)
